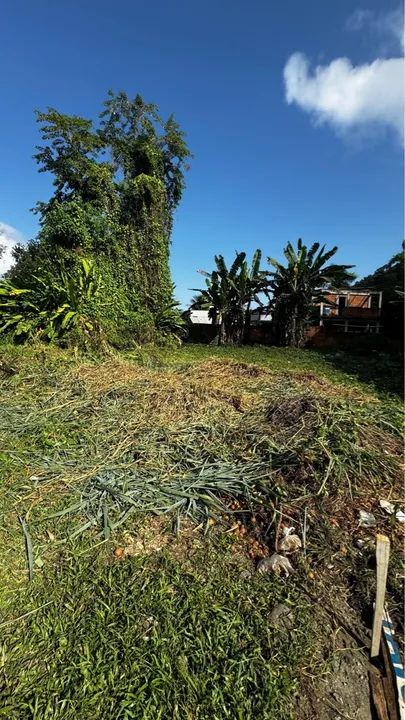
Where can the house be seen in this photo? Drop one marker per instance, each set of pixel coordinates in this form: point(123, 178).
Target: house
point(352, 311)
point(201, 317)
point(201, 330)
point(199, 326)
point(198, 317)
point(356, 312)
point(259, 315)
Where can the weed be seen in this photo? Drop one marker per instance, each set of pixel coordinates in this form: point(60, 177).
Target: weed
point(143, 638)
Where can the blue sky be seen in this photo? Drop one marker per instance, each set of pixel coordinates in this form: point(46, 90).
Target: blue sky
point(320, 157)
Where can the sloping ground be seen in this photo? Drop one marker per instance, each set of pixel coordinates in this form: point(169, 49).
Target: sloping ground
point(150, 487)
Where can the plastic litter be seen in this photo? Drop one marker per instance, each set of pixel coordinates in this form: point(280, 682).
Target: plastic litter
point(400, 516)
point(387, 506)
point(290, 544)
point(287, 530)
point(275, 563)
point(366, 519)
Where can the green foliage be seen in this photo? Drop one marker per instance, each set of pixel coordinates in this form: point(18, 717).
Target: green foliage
point(169, 321)
point(71, 155)
point(147, 638)
point(229, 293)
point(53, 306)
point(65, 225)
point(115, 212)
point(130, 128)
point(300, 284)
point(130, 328)
point(389, 278)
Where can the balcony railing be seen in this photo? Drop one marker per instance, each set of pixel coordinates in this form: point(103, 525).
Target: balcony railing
point(360, 313)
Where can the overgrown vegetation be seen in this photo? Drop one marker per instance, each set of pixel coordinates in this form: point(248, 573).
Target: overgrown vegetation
point(116, 188)
point(57, 303)
point(290, 292)
point(298, 286)
point(389, 279)
point(105, 461)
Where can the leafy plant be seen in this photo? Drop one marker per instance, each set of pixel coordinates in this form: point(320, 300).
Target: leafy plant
point(300, 284)
point(116, 183)
point(229, 294)
point(390, 280)
point(168, 321)
point(52, 307)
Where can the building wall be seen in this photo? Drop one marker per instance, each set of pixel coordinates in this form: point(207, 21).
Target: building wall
point(353, 301)
point(320, 337)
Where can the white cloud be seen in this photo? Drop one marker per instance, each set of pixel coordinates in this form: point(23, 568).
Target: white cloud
point(354, 97)
point(346, 96)
point(9, 237)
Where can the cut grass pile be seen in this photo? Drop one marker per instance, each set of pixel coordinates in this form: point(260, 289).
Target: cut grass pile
point(90, 448)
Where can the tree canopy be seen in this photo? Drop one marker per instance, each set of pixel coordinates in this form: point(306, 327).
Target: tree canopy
point(300, 284)
point(389, 278)
point(116, 185)
point(229, 293)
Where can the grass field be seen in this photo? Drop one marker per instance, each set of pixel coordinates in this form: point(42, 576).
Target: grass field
point(140, 490)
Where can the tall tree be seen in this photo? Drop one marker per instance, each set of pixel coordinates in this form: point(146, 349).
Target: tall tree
point(389, 278)
point(116, 186)
point(299, 285)
point(149, 157)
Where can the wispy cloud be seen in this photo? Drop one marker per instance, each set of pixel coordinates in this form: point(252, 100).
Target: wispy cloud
point(351, 97)
point(9, 237)
point(359, 19)
point(387, 27)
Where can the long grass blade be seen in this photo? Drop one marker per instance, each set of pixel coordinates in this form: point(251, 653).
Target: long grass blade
point(28, 547)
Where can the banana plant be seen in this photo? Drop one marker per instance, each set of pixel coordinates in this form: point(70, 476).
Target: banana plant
point(300, 284)
point(52, 306)
point(229, 294)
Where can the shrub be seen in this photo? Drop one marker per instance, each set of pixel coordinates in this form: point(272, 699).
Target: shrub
point(54, 307)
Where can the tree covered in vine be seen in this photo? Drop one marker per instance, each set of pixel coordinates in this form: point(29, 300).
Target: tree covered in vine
point(116, 184)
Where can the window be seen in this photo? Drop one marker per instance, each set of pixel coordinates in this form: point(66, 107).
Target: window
point(374, 302)
point(342, 303)
point(326, 311)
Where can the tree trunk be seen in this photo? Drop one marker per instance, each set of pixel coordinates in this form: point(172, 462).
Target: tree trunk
point(293, 337)
point(246, 325)
point(222, 333)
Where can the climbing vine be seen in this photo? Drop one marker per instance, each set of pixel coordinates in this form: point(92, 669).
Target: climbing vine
point(116, 186)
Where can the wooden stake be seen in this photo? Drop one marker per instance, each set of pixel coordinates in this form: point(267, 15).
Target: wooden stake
point(382, 555)
point(388, 685)
point(377, 693)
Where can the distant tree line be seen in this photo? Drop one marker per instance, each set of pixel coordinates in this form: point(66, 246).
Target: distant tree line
point(288, 290)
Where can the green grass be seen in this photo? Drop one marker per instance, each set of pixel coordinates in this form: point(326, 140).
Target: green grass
point(182, 432)
point(148, 639)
